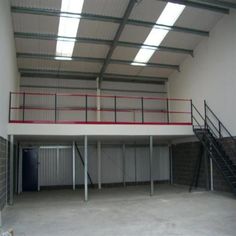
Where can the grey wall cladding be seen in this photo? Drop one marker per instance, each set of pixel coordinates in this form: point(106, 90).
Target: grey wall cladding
point(3, 170)
point(184, 158)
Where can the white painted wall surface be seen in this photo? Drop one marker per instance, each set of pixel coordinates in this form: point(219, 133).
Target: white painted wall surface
point(211, 74)
point(9, 75)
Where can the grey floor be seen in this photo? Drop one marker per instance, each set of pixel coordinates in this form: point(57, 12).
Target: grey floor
point(123, 211)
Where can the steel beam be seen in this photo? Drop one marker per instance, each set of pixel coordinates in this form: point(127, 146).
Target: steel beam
point(101, 42)
point(76, 75)
point(110, 19)
point(117, 37)
point(94, 60)
point(202, 4)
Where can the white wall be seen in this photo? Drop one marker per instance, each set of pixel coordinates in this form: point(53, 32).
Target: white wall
point(9, 76)
point(211, 74)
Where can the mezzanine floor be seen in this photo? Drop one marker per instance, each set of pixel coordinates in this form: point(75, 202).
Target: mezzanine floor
point(122, 211)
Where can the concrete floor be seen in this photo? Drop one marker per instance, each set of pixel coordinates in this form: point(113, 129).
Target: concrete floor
point(123, 211)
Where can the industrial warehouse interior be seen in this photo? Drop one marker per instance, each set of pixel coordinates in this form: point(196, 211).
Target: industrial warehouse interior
point(117, 117)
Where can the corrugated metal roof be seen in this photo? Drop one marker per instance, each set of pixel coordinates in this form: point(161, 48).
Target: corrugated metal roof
point(35, 46)
point(80, 66)
point(38, 64)
point(176, 39)
point(35, 23)
point(97, 29)
point(125, 69)
point(167, 58)
point(198, 19)
point(51, 4)
point(105, 7)
point(90, 50)
point(151, 71)
point(146, 10)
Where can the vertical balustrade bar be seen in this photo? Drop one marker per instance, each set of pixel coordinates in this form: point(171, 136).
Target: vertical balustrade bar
point(142, 109)
point(191, 108)
point(9, 115)
point(220, 136)
point(167, 110)
point(23, 114)
point(115, 108)
point(205, 111)
point(55, 108)
point(86, 108)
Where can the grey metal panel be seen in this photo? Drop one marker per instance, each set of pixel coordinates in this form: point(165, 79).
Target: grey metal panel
point(97, 29)
point(105, 7)
point(48, 167)
point(52, 4)
point(112, 165)
point(35, 23)
point(153, 7)
point(35, 46)
point(65, 167)
point(55, 170)
point(198, 18)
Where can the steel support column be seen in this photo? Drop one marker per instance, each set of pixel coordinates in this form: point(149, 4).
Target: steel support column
point(124, 165)
point(11, 169)
point(211, 173)
point(151, 161)
point(85, 168)
point(206, 168)
point(73, 164)
point(99, 149)
point(171, 164)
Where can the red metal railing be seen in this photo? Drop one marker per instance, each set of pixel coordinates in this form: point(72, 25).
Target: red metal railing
point(70, 108)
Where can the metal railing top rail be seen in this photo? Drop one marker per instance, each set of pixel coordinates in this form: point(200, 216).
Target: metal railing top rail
point(101, 96)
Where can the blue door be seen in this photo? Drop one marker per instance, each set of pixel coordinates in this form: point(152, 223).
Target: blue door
point(30, 169)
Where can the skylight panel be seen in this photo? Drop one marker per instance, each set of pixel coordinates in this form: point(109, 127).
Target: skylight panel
point(68, 27)
point(169, 16)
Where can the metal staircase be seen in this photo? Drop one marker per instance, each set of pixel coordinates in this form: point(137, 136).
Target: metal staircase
point(218, 143)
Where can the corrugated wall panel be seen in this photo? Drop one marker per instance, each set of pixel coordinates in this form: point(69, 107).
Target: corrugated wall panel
point(48, 167)
point(65, 167)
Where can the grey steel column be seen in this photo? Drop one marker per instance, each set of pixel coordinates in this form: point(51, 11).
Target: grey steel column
point(85, 168)
point(151, 174)
point(73, 164)
point(11, 169)
point(206, 167)
point(171, 164)
point(124, 165)
point(99, 146)
point(212, 179)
